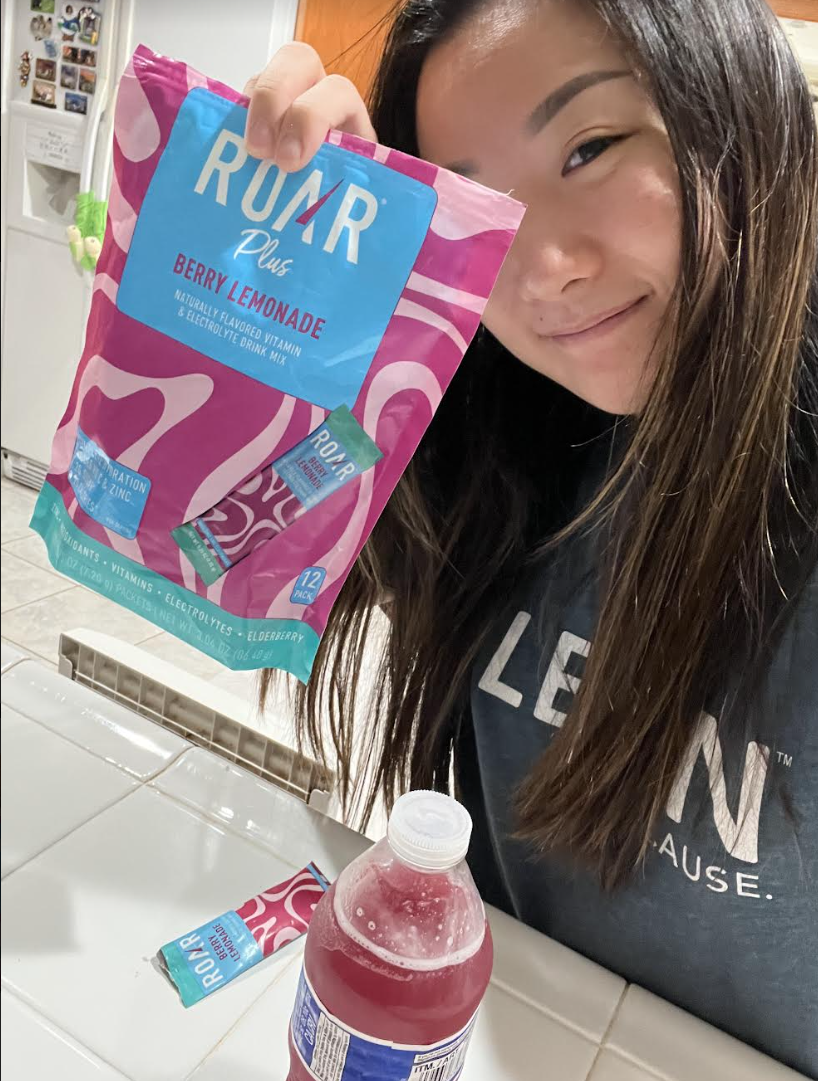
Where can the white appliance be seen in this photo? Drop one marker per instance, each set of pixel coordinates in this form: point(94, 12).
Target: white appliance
point(56, 142)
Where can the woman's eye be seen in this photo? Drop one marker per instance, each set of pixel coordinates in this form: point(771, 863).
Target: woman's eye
point(589, 151)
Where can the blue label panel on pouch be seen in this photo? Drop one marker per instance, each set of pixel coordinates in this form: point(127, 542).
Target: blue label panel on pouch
point(107, 491)
point(290, 278)
point(333, 1050)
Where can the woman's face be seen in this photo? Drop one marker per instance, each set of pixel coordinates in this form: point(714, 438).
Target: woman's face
point(537, 99)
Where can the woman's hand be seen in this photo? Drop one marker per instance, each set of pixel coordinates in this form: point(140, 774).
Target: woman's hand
point(294, 103)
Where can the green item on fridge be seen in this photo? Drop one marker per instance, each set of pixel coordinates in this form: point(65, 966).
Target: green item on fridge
point(85, 235)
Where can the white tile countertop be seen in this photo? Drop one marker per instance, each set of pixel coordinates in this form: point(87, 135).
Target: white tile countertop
point(119, 836)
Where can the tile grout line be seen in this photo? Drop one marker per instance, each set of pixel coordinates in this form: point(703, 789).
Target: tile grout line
point(209, 818)
point(31, 655)
point(35, 655)
point(540, 1007)
point(45, 597)
point(17, 660)
point(50, 569)
point(75, 829)
point(16, 540)
point(624, 1056)
point(11, 990)
point(146, 782)
point(71, 583)
point(59, 735)
point(602, 1043)
point(223, 1038)
point(96, 754)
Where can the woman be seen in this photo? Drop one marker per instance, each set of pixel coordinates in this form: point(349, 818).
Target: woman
point(628, 455)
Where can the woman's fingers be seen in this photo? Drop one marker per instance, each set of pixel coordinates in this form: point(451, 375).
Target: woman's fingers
point(334, 102)
point(294, 68)
point(293, 104)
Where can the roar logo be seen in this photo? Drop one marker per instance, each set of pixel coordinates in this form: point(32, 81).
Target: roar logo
point(355, 214)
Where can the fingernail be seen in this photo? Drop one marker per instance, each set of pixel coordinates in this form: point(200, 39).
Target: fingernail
point(260, 139)
point(289, 148)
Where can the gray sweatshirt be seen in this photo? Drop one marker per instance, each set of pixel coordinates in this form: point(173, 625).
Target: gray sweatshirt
point(724, 919)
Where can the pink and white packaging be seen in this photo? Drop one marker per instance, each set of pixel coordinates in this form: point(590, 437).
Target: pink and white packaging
point(234, 308)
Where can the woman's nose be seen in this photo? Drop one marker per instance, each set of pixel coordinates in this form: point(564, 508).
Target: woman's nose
point(551, 266)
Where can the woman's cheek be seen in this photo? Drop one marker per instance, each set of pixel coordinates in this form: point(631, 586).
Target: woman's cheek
point(642, 219)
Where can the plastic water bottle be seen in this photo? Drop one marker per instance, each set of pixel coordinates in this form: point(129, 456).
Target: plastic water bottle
point(398, 956)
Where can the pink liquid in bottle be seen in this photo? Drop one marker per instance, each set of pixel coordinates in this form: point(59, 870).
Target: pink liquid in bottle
point(398, 957)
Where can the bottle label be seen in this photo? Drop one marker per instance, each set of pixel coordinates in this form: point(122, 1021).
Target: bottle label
point(332, 1051)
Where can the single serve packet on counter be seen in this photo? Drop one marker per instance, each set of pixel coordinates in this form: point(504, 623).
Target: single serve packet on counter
point(263, 353)
point(202, 961)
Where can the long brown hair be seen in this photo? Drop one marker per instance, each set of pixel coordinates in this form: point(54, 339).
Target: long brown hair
point(709, 513)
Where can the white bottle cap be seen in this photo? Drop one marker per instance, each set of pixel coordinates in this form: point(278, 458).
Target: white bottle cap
point(429, 830)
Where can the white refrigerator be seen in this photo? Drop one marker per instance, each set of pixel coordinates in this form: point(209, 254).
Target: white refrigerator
point(61, 65)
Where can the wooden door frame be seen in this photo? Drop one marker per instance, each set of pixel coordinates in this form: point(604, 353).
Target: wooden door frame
point(796, 9)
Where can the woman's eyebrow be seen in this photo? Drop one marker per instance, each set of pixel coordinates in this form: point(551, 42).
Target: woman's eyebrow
point(548, 109)
point(559, 98)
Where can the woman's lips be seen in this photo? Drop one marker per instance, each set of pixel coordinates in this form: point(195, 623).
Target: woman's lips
point(598, 327)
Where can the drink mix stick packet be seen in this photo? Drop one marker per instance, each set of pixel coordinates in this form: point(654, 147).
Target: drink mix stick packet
point(263, 354)
point(201, 961)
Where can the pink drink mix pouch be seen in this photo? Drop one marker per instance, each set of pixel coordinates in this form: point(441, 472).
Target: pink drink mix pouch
point(398, 956)
point(263, 353)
